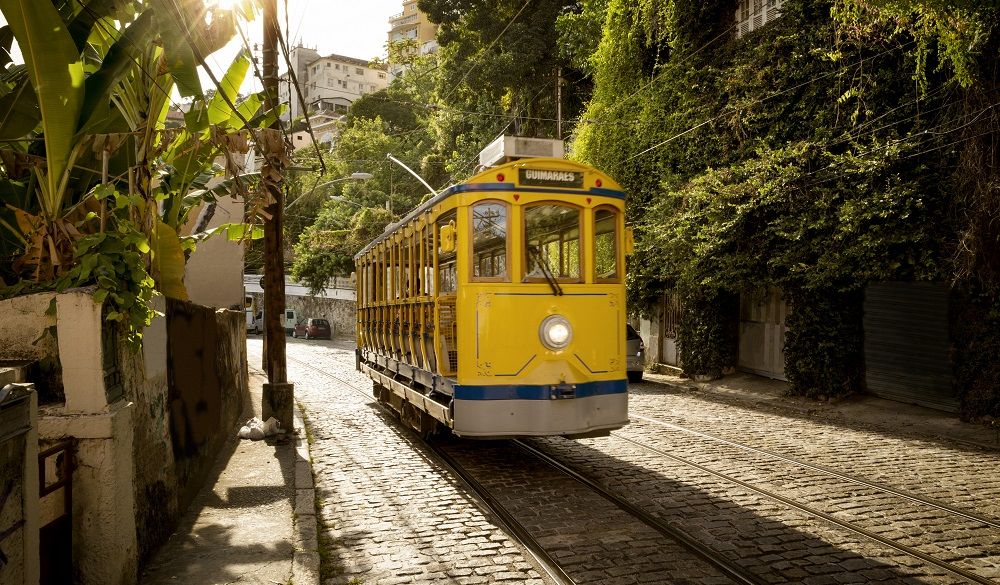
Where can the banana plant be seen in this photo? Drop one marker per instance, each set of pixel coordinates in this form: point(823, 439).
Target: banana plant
point(86, 113)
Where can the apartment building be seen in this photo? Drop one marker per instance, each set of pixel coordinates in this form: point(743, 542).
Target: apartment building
point(328, 84)
point(412, 24)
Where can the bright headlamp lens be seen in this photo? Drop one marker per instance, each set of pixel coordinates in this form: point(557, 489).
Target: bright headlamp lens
point(555, 332)
point(558, 333)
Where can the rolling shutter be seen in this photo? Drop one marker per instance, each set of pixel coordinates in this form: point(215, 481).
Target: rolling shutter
point(906, 343)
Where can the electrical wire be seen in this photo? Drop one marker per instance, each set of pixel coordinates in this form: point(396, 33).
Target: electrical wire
point(293, 77)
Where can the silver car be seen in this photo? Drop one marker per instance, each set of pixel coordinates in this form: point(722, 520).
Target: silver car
point(635, 354)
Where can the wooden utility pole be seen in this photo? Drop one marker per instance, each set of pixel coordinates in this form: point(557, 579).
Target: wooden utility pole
point(278, 396)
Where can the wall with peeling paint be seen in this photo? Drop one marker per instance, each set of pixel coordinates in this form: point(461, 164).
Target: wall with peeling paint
point(149, 422)
point(207, 381)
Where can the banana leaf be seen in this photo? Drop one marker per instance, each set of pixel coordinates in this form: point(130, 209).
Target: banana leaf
point(56, 72)
point(168, 262)
point(120, 58)
point(179, 55)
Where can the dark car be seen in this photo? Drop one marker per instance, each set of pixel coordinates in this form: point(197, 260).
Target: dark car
point(312, 329)
point(636, 356)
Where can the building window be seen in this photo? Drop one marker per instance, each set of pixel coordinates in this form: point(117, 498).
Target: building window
point(754, 14)
point(381, 75)
point(337, 66)
point(359, 71)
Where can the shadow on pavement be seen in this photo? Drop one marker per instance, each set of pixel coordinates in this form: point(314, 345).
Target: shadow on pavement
point(239, 526)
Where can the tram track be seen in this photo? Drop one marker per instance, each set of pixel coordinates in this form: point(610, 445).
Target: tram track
point(701, 550)
point(508, 522)
point(523, 535)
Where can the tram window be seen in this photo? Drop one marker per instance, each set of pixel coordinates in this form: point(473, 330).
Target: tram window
point(489, 241)
point(605, 244)
point(447, 275)
point(552, 234)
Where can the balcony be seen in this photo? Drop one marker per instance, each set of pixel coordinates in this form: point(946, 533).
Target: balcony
point(395, 23)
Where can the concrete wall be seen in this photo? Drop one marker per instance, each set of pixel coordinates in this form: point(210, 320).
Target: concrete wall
point(19, 490)
point(207, 381)
point(144, 441)
point(342, 314)
point(156, 486)
point(214, 272)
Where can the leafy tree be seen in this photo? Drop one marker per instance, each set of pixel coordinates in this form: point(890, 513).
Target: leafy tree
point(801, 156)
point(499, 63)
point(327, 247)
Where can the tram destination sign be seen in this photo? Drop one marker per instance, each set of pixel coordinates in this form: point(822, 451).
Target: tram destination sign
point(543, 178)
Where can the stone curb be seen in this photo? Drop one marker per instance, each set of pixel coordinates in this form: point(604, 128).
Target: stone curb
point(305, 565)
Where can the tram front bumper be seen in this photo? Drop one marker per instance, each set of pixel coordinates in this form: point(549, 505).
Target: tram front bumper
point(558, 414)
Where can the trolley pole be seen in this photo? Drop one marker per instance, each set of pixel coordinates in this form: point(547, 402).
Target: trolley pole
point(278, 396)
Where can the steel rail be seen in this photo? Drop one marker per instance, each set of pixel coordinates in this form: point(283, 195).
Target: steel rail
point(823, 515)
point(969, 515)
point(701, 550)
point(510, 524)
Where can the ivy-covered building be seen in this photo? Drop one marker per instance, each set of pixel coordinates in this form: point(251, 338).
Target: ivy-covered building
point(814, 186)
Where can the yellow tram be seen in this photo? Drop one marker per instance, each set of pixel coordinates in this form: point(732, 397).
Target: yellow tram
point(497, 308)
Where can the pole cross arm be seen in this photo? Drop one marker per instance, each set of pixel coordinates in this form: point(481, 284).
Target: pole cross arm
point(412, 172)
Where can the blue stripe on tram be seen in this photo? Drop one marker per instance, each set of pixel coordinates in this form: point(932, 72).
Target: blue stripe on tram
point(535, 392)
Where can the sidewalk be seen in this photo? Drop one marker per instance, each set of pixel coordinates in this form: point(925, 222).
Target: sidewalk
point(254, 520)
point(758, 392)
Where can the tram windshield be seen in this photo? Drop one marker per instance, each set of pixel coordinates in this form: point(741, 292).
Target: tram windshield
point(552, 242)
point(489, 241)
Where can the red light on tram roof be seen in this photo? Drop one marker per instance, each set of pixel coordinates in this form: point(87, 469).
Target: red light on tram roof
point(598, 182)
point(500, 177)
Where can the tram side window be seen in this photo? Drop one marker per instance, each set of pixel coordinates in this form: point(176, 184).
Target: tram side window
point(447, 274)
point(489, 241)
point(605, 244)
point(552, 246)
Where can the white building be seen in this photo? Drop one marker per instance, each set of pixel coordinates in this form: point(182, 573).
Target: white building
point(325, 127)
point(328, 84)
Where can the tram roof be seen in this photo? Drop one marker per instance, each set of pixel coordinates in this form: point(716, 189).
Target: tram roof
point(478, 182)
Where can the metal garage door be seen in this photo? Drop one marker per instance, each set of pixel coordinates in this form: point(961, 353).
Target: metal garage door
point(906, 343)
point(762, 334)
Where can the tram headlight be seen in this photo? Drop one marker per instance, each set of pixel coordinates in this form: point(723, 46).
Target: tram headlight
point(555, 332)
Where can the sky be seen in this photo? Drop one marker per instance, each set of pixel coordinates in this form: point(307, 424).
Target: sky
point(355, 28)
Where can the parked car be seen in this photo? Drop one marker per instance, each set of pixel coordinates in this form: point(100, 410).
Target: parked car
point(312, 329)
point(635, 354)
point(254, 325)
point(290, 321)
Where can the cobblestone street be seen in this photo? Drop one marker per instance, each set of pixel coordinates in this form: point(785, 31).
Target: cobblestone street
point(391, 513)
point(388, 514)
